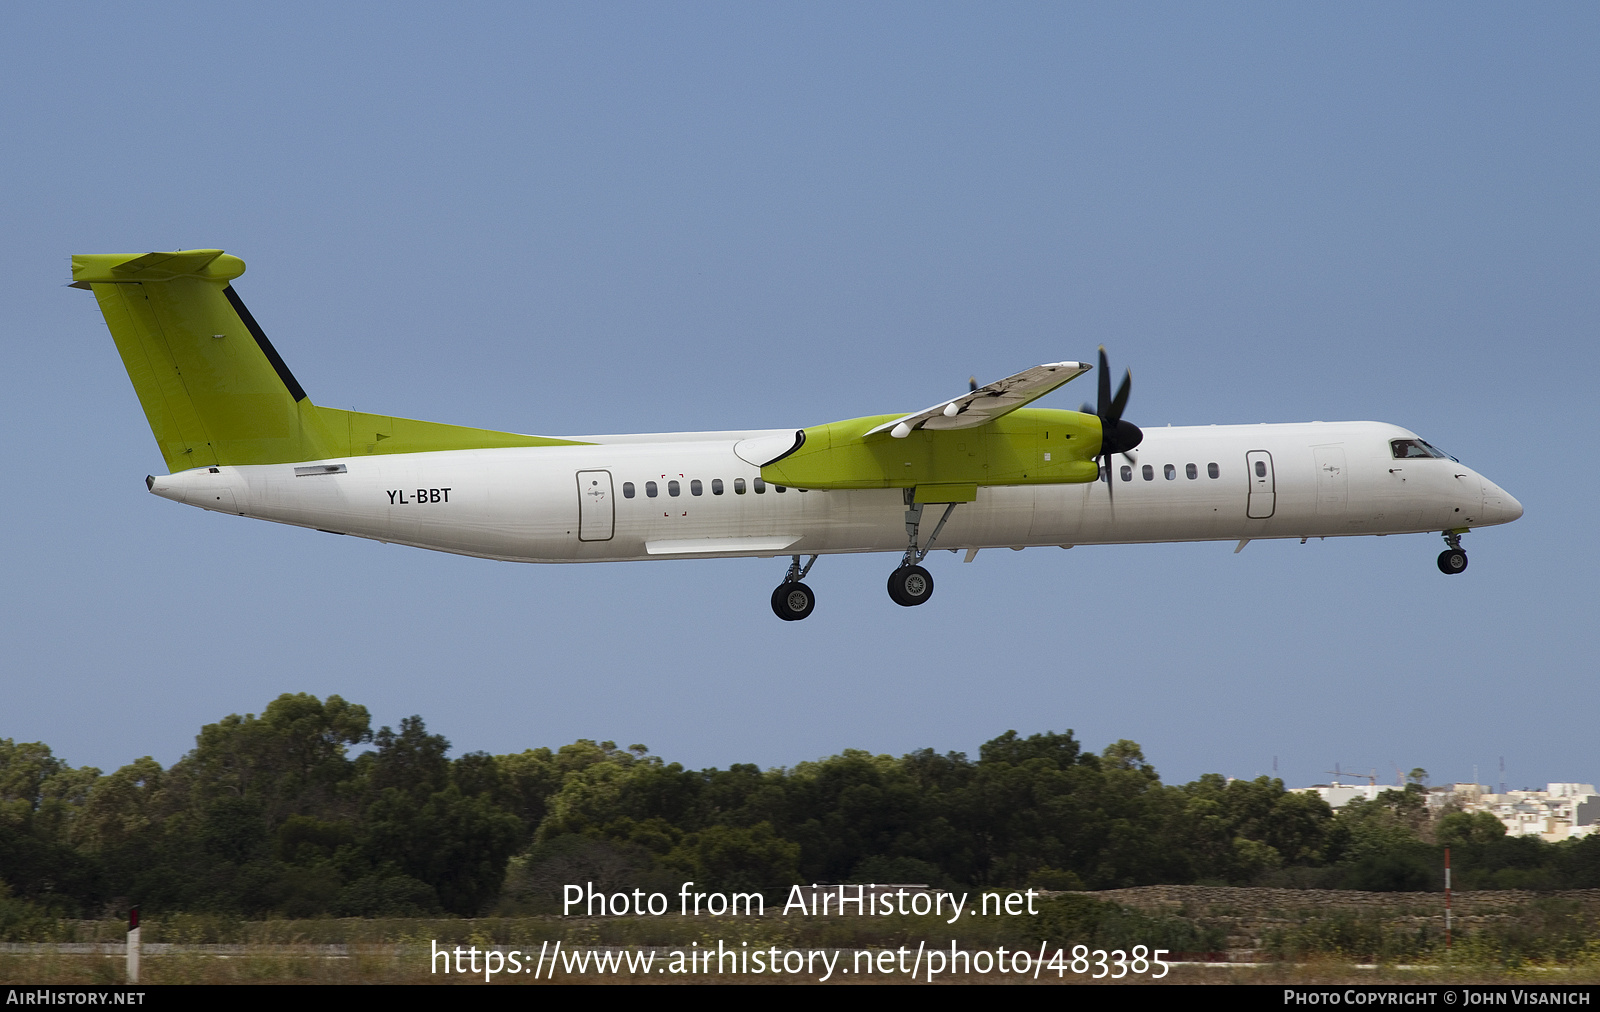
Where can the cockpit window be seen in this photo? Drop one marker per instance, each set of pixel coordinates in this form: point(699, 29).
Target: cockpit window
point(1408, 449)
point(1437, 452)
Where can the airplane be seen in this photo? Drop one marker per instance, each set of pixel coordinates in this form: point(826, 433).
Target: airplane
point(980, 470)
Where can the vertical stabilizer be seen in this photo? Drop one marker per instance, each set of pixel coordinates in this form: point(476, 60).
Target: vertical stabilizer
point(215, 389)
point(211, 384)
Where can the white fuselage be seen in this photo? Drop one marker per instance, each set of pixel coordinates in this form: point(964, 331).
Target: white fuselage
point(573, 503)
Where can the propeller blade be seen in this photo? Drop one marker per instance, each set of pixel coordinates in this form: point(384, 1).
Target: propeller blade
point(1116, 435)
point(1104, 400)
point(1121, 400)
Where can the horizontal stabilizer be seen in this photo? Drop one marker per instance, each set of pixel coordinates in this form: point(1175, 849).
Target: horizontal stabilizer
point(125, 268)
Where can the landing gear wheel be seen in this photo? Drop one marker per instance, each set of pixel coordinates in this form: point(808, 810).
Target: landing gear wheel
point(793, 601)
point(910, 586)
point(1452, 561)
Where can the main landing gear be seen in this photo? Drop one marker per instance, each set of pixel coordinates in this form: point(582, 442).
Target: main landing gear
point(1452, 560)
point(911, 585)
point(793, 600)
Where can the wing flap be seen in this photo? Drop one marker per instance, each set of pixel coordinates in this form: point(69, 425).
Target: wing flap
point(985, 404)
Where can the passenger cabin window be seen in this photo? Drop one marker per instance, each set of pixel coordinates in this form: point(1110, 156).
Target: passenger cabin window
point(1149, 472)
point(674, 489)
point(716, 486)
point(1170, 471)
point(1212, 470)
point(1192, 471)
point(650, 489)
point(1127, 473)
point(627, 490)
point(760, 486)
point(1261, 469)
point(695, 488)
point(738, 486)
point(780, 488)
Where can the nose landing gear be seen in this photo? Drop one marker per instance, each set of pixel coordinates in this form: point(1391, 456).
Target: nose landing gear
point(1452, 560)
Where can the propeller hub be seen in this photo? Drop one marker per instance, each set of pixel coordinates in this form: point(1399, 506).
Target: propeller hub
point(1121, 437)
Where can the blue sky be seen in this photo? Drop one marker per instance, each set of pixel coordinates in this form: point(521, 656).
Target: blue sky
point(577, 218)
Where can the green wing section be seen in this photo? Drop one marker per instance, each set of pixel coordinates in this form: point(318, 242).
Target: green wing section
point(212, 386)
point(1027, 446)
point(983, 437)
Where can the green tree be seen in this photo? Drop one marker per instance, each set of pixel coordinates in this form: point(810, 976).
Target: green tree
point(287, 761)
point(458, 845)
point(411, 761)
point(730, 858)
point(1485, 856)
point(1377, 847)
point(1236, 830)
point(39, 799)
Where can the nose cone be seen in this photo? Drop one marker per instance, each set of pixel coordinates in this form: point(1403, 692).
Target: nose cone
point(1498, 505)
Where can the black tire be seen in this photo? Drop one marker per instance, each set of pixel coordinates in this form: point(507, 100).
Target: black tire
point(910, 586)
point(1452, 561)
point(793, 601)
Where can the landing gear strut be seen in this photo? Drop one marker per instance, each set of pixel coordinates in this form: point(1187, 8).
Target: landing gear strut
point(793, 600)
point(1452, 560)
point(911, 585)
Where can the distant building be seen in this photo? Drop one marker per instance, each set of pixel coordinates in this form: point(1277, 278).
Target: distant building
point(1559, 812)
point(1570, 790)
point(1338, 795)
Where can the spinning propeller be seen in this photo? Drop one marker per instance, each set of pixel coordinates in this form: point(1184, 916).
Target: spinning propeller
point(1116, 435)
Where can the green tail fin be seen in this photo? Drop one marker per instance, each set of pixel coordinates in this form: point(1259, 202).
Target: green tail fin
point(212, 386)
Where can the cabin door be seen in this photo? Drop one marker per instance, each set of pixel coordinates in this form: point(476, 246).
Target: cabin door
point(1263, 490)
point(597, 513)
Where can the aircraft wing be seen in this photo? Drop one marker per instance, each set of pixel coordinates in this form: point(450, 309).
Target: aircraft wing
point(986, 403)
